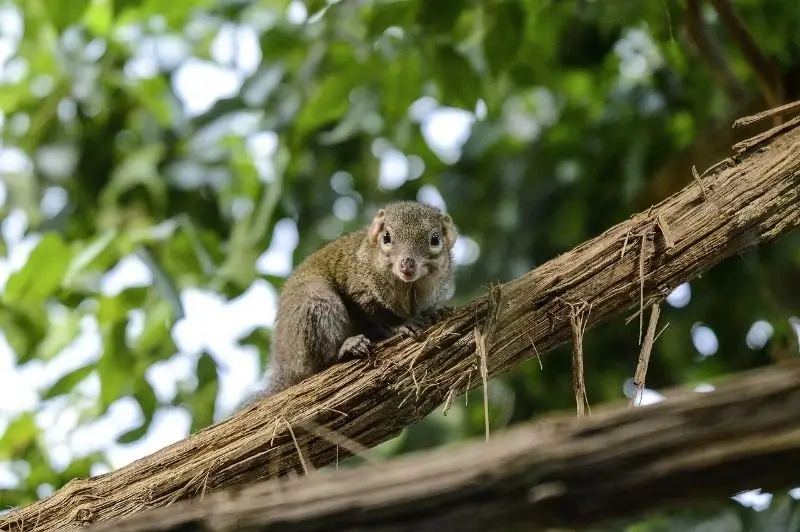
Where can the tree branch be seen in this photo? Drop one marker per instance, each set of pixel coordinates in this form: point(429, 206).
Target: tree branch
point(558, 472)
point(749, 202)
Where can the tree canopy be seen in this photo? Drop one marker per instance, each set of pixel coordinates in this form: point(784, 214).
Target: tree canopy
point(213, 145)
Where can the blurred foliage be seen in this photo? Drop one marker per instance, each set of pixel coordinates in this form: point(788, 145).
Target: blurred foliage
point(569, 107)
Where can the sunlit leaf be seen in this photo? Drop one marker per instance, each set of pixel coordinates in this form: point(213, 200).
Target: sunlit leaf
point(137, 169)
point(88, 255)
point(205, 397)
point(386, 13)
point(60, 334)
point(116, 367)
point(328, 102)
point(134, 434)
point(24, 329)
point(81, 467)
point(68, 382)
point(20, 433)
point(158, 322)
point(163, 283)
point(64, 14)
point(146, 398)
point(42, 274)
point(99, 16)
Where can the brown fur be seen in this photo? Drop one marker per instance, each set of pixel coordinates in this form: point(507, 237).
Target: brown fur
point(349, 293)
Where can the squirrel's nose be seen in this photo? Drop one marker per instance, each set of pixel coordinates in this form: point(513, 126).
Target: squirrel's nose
point(407, 266)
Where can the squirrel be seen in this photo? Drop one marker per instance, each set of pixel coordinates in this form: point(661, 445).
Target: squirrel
point(361, 288)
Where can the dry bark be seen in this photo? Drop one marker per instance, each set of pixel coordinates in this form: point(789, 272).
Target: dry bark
point(559, 472)
point(738, 205)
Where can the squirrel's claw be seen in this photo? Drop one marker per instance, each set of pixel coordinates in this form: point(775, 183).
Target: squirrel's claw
point(412, 329)
point(415, 327)
point(355, 347)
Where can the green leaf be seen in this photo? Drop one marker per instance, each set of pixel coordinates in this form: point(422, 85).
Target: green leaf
point(80, 467)
point(85, 258)
point(157, 329)
point(259, 338)
point(60, 334)
point(387, 13)
point(438, 17)
point(67, 383)
point(139, 168)
point(363, 106)
point(42, 274)
point(202, 402)
point(120, 6)
point(64, 14)
point(133, 435)
point(458, 81)
point(328, 102)
point(175, 13)
point(206, 371)
point(24, 329)
point(99, 16)
point(163, 283)
point(504, 35)
point(152, 91)
point(147, 400)
point(20, 434)
point(401, 85)
point(116, 367)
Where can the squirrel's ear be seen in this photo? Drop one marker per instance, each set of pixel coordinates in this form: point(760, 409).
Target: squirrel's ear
point(450, 233)
point(377, 225)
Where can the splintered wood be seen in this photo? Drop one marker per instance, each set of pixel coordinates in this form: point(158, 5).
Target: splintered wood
point(644, 356)
point(578, 318)
point(483, 339)
point(789, 108)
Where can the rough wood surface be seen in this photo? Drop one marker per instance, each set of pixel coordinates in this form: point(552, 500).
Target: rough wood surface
point(559, 472)
point(741, 204)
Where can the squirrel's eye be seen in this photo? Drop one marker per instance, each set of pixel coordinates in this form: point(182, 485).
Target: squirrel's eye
point(435, 239)
point(387, 238)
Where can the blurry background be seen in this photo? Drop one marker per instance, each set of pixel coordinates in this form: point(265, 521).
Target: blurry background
point(165, 165)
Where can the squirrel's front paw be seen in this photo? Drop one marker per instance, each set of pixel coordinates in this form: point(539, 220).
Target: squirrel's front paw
point(411, 329)
point(355, 347)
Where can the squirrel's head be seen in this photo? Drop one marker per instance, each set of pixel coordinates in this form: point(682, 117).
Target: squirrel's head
point(413, 240)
